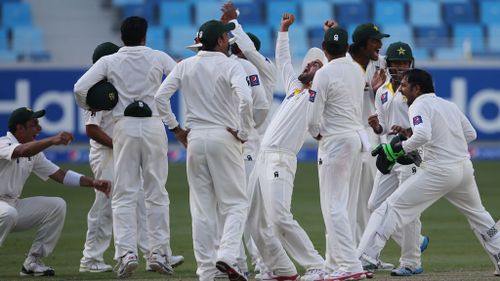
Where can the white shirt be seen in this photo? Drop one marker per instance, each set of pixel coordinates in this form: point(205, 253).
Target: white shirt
point(288, 127)
point(338, 103)
point(440, 128)
point(212, 87)
point(15, 172)
point(104, 120)
point(391, 108)
point(369, 94)
point(136, 72)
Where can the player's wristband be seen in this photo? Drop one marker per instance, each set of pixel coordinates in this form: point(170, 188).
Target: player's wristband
point(72, 178)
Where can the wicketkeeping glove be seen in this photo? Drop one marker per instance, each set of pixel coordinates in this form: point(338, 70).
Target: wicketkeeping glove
point(388, 154)
point(384, 165)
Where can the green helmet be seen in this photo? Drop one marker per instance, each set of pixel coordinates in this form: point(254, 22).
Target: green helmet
point(399, 51)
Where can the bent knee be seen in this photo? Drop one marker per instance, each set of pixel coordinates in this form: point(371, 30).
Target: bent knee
point(9, 215)
point(59, 205)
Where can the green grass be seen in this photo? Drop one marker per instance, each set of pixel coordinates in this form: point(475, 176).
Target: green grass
point(453, 246)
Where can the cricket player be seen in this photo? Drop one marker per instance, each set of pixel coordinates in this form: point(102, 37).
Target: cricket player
point(335, 121)
point(442, 131)
point(392, 110)
point(139, 145)
point(20, 155)
point(218, 119)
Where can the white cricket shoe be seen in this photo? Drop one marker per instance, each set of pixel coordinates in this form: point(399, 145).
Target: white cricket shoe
point(160, 264)
point(314, 274)
point(92, 265)
point(233, 271)
point(33, 266)
point(126, 265)
point(175, 261)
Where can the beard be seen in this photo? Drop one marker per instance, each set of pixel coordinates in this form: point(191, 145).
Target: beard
point(305, 78)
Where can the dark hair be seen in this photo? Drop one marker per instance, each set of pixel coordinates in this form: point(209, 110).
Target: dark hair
point(134, 30)
point(422, 78)
point(334, 49)
point(13, 128)
point(354, 48)
point(208, 45)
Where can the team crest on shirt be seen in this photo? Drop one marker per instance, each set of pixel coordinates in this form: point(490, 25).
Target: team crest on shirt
point(417, 120)
point(383, 98)
point(312, 95)
point(253, 80)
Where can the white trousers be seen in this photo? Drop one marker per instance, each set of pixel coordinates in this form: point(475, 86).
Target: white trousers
point(140, 149)
point(339, 165)
point(45, 213)
point(216, 177)
point(408, 238)
point(456, 183)
point(100, 218)
point(276, 171)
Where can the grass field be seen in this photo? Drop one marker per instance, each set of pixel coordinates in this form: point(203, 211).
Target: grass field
point(453, 253)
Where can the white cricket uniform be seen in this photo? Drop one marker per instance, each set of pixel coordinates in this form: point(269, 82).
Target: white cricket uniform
point(19, 214)
point(99, 218)
point(277, 162)
point(139, 144)
point(217, 97)
point(442, 131)
point(392, 109)
point(368, 166)
point(336, 115)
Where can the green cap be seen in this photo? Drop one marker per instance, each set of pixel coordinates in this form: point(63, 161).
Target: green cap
point(104, 49)
point(22, 115)
point(399, 51)
point(366, 31)
point(210, 31)
point(336, 36)
point(255, 40)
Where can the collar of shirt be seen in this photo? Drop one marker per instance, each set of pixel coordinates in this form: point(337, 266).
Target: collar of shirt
point(210, 54)
point(423, 96)
point(126, 49)
point(341, 60)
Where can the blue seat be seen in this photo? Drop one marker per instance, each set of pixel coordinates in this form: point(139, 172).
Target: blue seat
point(399, 32)
point(314, 13)
point(120, 3)
point(469, 32)
point(4, 39)
point(389, 12)
point(155, 38)
point(250, 13)
point(344, 1)
point(449, 54)
point(493, 38)
point(175, 14)
point(431, 36)
point(205, 11)
point(352, 13)
point(316, 36)
point(298, 41)
point(489, 11)
point(28, 41)
point(276, 9)
point(16, 14)
point(425, 13)
point(179, 37)
point(143, 10)
point(264, 34)
point(454, 13)
point(420, 54)
point(7, 56)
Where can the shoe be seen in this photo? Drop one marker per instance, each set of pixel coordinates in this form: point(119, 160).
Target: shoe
point(160, 264)
point(92, 265)
point(424, 242)
point(270, 276)
point(264, 276)
point(126, 265)
point(341, 275)
point(33, 266)
point(175, 261)
point(370, 264)
point(233, 272)
point(220, 275)
point(384, 266)
point(406, 271)
point(314, 274)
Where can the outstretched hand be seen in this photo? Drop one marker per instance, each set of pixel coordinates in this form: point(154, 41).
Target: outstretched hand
point(286, 20)
point(62, 138)
point(229, 12)
point(329, 24)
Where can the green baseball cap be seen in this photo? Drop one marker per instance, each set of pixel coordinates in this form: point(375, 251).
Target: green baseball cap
point(366, 31)
point(211, 30)
point(336, 36)
point(104, 49)
point(22, 115)
point(399, 51)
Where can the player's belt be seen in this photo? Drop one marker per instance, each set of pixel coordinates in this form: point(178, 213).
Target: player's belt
point(138, 109)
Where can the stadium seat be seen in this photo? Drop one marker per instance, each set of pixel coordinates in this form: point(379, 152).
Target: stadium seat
point(316, 36)
point(155, 38)
point(398, 32)
point(454, 13)
point(449, 54)
point(250, 13)
point(4, 39)
point(205, 11)
point(314, 13)
point(264, 34)
point(493, 38)
point(489, 11)
point(352, 13)
point(175, 14)
point(343, 1)
point(389, 12)
point(120, 3)
point(179, 37)
point(431, 36)
point(16, 14)
point(471, 32)
point(143, 10)
point(7, 56)
point(28, 41)
point(275, 9)
point(298, 41)
point(420, 54)
point(425, 13)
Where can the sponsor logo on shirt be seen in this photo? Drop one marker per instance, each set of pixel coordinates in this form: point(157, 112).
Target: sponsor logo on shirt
point(253, 80)
point(312, 95)
point(384, 97)
point(417, 120)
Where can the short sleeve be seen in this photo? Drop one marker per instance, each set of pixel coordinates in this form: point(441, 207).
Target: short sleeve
point(7, 148)
point(43, 167)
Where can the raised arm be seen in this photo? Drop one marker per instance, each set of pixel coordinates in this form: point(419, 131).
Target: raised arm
point(34, 147)
point(283, 57)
